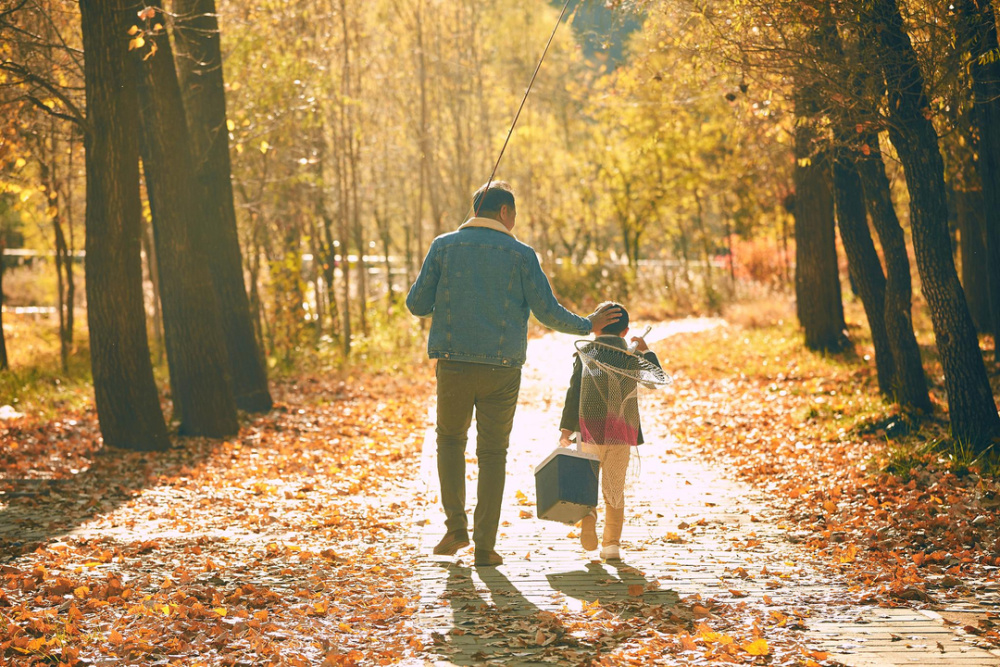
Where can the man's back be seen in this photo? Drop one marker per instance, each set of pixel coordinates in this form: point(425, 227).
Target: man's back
point(479, 284)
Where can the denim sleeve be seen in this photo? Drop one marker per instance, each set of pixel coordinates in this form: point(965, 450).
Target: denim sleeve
point(543, 302)
point(420, 299)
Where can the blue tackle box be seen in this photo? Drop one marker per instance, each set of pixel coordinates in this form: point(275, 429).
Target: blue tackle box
point(566, 485)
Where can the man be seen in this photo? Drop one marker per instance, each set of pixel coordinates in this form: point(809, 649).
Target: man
point(479, 284)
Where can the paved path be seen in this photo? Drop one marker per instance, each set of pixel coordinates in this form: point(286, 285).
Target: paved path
point(689, 530)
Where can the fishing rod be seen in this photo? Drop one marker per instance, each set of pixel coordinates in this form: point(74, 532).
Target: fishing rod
point(518, 114)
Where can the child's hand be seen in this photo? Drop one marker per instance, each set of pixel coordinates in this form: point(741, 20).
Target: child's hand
point(640, 344)
point(564, 437)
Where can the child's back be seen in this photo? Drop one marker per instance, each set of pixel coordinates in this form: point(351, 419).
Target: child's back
point(602, 403)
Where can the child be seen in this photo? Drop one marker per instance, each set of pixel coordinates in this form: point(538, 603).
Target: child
point(609, 436)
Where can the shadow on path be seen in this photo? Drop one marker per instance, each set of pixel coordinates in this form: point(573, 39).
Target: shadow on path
point(607, 582)
point(34, 511)
point(507, 627)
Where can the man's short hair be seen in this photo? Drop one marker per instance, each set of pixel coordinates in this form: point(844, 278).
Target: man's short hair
point(487, 203)
point(621, 325)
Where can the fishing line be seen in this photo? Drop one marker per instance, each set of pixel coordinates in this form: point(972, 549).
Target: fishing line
point(523, 100)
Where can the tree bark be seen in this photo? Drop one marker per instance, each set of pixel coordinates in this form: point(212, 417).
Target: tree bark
point(149, 247)
point(817, 281)
point(63, 262)
point(4, 362)
point(909, 382)
point(981, 21)
point(199, 65)
point(969, 216)
point(972, 411)
point(863, 261)
point(128, 407)
point(196, 348)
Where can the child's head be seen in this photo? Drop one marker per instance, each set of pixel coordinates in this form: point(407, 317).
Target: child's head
point(619, 328)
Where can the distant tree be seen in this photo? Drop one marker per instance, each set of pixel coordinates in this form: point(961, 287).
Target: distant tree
point(4, 214)
point(817, 282)
point(196, 349)
point(199, 66)
point(977, 33)
point(42, 90)
point(909, 385)
point(972, 410)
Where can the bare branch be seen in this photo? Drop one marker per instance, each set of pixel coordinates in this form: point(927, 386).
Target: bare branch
point(75, 113)
point(13, 10)
point(49, 110)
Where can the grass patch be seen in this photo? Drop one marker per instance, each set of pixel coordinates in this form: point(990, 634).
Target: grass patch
point(35, 383)
point(827, 397)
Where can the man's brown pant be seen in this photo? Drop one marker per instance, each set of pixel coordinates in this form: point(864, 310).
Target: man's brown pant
point(492, 392)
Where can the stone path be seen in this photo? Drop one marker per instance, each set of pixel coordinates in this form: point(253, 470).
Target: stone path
point(689, 530)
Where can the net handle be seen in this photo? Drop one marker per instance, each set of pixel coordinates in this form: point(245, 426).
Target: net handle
point(632, 346)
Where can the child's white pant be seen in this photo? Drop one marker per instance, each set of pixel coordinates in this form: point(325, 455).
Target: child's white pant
point(614, 469)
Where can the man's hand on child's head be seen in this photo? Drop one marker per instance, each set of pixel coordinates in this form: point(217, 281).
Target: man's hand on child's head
point(602, 318)
point(640, 344)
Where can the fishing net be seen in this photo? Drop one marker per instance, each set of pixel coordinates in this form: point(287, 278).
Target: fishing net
point(612, 383)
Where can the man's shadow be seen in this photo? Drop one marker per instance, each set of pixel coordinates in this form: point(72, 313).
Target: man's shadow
point(613, 582)
point(509, 627)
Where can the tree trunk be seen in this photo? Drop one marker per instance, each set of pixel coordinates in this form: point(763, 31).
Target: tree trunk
point(969, 214)
point(63, 261)
point(128, 407)
point(982, 28)
point(972, 411)
point(817, 280)
point(154, 280)
point(4, 362)
point(910, 382)
point(68, 269)
point(196, 348)
point(199, 65)
point(863, 261)
point(50, 177)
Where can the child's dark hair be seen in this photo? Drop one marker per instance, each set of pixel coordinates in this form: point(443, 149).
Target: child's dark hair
point(621, 325)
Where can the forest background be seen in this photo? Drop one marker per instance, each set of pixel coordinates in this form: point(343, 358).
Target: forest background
point(677, 156)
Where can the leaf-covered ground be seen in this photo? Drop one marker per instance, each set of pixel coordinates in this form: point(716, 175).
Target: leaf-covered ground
point(277, 547)
point(881, 501)
point(296, 543)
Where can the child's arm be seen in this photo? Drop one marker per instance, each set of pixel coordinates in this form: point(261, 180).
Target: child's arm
point(650, 356)
point(643, 349)
point(570, 420)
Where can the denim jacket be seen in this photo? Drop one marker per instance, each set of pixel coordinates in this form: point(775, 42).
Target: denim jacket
point(479, 284)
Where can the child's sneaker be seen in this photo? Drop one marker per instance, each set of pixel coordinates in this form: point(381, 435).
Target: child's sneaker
point(588, 532)
point(611, 552)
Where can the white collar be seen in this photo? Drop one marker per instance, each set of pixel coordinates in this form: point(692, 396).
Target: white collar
point(488, 223)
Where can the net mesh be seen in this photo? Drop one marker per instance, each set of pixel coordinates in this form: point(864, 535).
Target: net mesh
point(612, 383)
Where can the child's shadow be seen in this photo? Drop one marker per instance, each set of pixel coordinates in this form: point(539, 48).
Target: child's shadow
point(624, 584)
point(509, 629)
